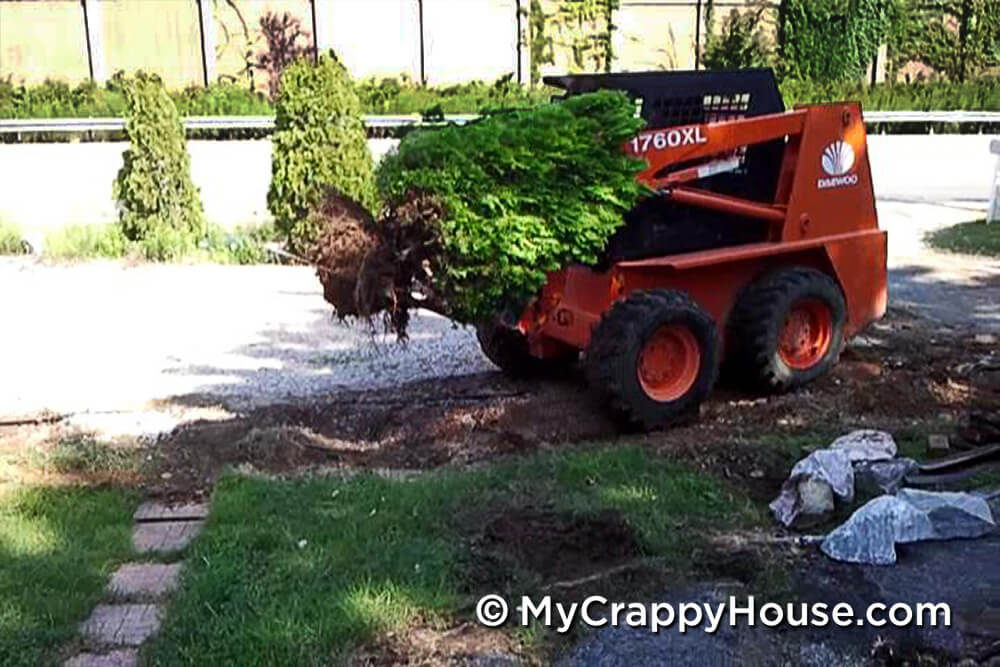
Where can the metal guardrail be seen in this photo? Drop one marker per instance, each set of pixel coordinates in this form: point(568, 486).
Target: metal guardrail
point(384, 122)
point(11, 125)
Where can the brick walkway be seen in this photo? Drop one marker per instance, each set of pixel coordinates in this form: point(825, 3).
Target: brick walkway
point(133, 609)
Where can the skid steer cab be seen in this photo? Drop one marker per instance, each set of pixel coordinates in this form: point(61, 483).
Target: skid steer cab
point(761, 250)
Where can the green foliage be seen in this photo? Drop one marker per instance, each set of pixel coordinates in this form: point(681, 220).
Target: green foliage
point(402, 96)
point(329, 565)
point(958, 38)
point(524, 193)
point(319, 142)
point(969, 238)
point(158, 203)
point(242, 245)
point(933, 96)
point(587, 27)
point(86, 241)
point(55, 99)
point(741, 42)
point(542, 50)
point(11, 242)
point(221, 99)
point(58, 546)
point(831, 40)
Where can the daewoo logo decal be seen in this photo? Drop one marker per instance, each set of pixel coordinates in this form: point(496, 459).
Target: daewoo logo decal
point(838, 160)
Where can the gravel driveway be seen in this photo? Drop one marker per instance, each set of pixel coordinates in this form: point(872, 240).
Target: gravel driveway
point(155, 340)
point(105, 337)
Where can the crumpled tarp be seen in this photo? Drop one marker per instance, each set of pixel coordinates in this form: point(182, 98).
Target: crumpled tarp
point(833, 466)
point(870, 535)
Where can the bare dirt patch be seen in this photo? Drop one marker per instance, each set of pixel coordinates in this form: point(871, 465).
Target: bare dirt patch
point(906, 376)
point(543, 545)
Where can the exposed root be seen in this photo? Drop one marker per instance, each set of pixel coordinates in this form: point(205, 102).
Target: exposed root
point(369, 267)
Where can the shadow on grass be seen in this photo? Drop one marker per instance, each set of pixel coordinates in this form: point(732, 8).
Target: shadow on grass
point(306, 571)
point(58, 546)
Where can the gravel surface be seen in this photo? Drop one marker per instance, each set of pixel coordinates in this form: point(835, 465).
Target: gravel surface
point(104, 337)
point(135, 348)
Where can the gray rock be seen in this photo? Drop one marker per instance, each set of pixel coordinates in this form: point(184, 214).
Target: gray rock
point(878, 477)
point(866, 445)
point(832, 467)
point(871, 534)
point(953, 515)
point(815, 497)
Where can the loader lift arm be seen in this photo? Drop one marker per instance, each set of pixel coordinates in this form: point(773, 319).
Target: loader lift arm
point(668, 147)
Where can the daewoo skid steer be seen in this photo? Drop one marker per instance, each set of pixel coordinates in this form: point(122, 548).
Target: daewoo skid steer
point(761, 250)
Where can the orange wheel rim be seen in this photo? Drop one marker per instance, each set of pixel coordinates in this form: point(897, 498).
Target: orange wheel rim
point(806, 334)
point(669, 362)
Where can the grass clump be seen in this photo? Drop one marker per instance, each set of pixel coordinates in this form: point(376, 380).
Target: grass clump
point(11, 241)
point(969, 238)
point(319, 142)
point(58, 546)
point(242, 245)
point(330, 564)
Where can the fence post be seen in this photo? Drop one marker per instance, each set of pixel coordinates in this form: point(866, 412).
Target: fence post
point(95, 45)
point(993, 215)
point(522, 25)
point(206, 19)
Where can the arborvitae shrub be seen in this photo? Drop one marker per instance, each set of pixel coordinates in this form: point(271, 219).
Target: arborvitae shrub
point(159, 207)
point(477, 215)
point(319, 143)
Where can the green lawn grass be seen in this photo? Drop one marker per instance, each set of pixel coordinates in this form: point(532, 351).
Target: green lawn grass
point(970, 238)
point(58, 546)
point(300, 572)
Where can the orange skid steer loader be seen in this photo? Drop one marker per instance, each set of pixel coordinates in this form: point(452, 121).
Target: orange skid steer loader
point(761, 249)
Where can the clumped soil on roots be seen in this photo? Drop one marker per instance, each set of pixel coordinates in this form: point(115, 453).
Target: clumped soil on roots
point(370, 266)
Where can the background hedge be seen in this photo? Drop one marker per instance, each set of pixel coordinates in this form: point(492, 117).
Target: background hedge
point(319, 142)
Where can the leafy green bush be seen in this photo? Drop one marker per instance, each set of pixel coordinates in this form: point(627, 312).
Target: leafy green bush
point(522, 194)
point(159, 207)
point(319, 142)
point(402, 96)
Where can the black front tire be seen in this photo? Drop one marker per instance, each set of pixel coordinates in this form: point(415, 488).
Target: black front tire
point(618, 341)
point(508, 349)
point(755, 329)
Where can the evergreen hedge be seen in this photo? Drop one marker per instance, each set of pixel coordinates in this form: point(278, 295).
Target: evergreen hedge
point(159, 207)
point(319, 142)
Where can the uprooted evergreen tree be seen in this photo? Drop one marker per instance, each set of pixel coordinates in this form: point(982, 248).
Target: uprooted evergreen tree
point(477, 215)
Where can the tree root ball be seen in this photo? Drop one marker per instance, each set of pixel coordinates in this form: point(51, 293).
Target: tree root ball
point(369, 267)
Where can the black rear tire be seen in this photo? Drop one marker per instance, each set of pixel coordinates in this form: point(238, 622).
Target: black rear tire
point(754, 333)
point(621, 338)
point(508, 349)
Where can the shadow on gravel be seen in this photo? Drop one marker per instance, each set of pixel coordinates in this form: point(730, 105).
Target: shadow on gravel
point(973, 302)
